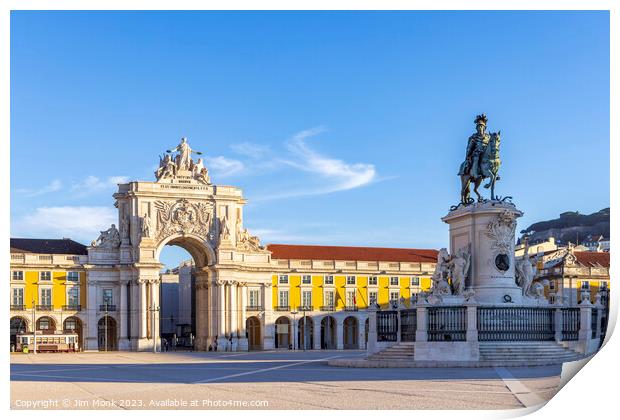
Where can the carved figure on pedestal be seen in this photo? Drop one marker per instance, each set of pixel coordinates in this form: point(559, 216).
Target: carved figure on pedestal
point(183, 159)
point(108, 238)
point(224, 229)
point(459, 269)
point(200, 172)
point(167, 168)
point(525, 272)
point(442, 272)
point(146, 226)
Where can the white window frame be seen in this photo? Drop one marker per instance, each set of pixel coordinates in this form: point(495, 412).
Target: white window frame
point(373, 281)
point(392, 292)
point(21, 275)
point(376, 293)
point(77, 276)
point(306, 277)
point(331, 293)
point(103, 302)
point(331, 280)
point(354, 278)
point(351, 297)
point(68, 300)
point(397, 281)
point(13, 289)
point(51, 301)
point(283, 279)
point(304, 294)
point(41, 276)
point(415, 279)
point(255, 292)
point(283, 293)
point(585, 283)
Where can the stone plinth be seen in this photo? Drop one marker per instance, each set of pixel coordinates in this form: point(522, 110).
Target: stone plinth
point(489, 230)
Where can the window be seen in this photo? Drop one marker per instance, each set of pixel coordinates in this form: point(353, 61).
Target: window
point(306, 298)
point(283, 298)
point(372, 280)
point(328, 280)
point(603, 285)
point(18, 275)
point(351, 301)
point(73, 296)
point(351, 280)
point(393, 281)
point(70, 325)
point(73, 276)
point(585, 285)
point(415, 281)
point(329, 298)
point(46, 297)
point(372, 297)
point(17, 296)
point(45, 276)
point(107, 297)
point(283, 279)
point(44, 324)
point(394, 296)
point(254, 298)
point(306, 279)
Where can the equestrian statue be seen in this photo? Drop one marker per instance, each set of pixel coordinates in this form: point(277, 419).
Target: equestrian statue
point(481, 162)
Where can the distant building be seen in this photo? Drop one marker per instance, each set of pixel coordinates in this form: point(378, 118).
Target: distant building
point(537, 248)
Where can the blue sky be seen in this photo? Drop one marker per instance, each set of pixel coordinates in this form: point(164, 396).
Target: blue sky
point(340, 127)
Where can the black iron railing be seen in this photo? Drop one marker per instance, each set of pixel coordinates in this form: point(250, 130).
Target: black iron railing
point(72, 307)
point(329, 308)
point(306, 308)
point(408, 324)
point(387, 325)
point(18, 308)
point(253, 308)
point(447, 323)
point(353, 308)
point(571, 323)
point(44, 307)
point(282, 308)
point(107, 308)
point(516, 324)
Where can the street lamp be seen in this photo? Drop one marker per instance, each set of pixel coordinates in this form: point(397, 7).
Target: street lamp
point(153, 309)
point(34, 327)
point(294, 332)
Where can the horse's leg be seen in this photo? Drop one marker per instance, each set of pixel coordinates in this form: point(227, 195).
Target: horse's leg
point(476, 185)
point(493, 187)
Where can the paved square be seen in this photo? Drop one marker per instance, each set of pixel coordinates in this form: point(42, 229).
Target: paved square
point(263, 380)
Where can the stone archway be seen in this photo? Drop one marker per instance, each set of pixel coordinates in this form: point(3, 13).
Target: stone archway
point(283, 333)
point(73, 325)
point(328, 333)
point(305, 333)
point(107, 334)
point(350, 335)
point(18, 325)
point(252, 326)
point(46, 325)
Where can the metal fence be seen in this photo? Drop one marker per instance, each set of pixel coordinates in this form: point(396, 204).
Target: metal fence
point(571, 323)
point(408, 324)
point(387, 325)
point(515, 324)
point(447, 323)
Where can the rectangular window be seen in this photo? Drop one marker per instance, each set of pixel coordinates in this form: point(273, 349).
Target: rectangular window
point(328, 280)
point(44, 324)
point(306, 298)
point(73, 276)
point(18, 275)
point(394, 296)
point(351, 301)
point(45, 276)
point(107, 297)
point(306, 279)
point(73, 296)
point(372, 281)
point(415, 281)
point(552, 285)
point(254, 298)
point(283, 279)
point(46, 297)
point(585, 285)
point(603, 285)
point(351, 280)
point(372, 297)
point(393, 281)
point(283, 298)
point(329, 298)
point(17, 297)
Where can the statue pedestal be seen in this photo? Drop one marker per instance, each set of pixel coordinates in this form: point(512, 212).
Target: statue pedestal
point(489, 229)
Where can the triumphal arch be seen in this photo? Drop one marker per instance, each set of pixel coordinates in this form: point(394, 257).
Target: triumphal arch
point(181, 207)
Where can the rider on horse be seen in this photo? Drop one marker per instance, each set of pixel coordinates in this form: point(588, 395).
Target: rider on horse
point(476, 147)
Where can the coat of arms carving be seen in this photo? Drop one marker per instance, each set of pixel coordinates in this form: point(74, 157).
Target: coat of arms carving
point(184, 217)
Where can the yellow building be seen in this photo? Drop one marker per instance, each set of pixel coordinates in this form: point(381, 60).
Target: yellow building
point(48, 286)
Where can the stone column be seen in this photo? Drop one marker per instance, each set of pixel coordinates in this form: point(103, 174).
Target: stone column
point(471, 336)
point(585, 330)
point(134, 334)
point(371, 346)
point(93, 310)
point(557, 321)
point(243, 297)
point(421, 333)
point(268, 327)
point(123, 343)
point(233, 323)
point(143, 308)
point(156, 307)
point(221, 330)
point(202, 316)
point(361, 334)
point(339, 334)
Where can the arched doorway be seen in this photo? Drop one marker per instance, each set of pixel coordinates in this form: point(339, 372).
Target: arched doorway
point(46, 325)
point(283, 333)
point(350, 333)
point(328, 333)
point(306, 333)
point(73, 325)
point(252, 327)
point(18, 325)
point(106, 334)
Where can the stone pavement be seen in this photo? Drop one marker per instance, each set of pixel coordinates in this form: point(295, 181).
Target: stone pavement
point(264, 380)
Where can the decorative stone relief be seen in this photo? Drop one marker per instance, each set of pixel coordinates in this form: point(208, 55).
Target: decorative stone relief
point(108, 238)
point(183, 217)
point(145, 226)
point(181, 166)
point(247, 242)
point(501, 230)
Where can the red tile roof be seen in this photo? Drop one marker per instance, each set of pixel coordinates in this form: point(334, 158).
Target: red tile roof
point(593, 259)
point(351, 253)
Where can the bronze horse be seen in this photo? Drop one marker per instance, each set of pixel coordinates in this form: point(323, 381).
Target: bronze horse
point(489, 168)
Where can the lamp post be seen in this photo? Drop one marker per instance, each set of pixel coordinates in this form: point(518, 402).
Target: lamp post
point(294, 332)
point(105, 323)
point(34, 327)
point(153, 309)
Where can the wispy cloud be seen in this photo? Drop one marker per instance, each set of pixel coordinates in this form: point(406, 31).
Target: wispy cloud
point(223, 167)
point(53, 186)
point(92, 184)
point(251, 150)
point(82, 223)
